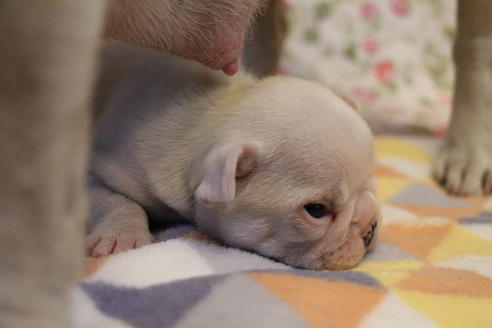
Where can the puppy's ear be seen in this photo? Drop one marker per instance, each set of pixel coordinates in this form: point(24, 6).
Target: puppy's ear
point(220, 168)
point(352, 103)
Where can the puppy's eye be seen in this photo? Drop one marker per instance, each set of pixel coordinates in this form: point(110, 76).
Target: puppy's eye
point(316, 210)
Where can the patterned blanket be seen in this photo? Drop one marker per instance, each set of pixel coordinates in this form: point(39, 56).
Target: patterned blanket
point(432, 268)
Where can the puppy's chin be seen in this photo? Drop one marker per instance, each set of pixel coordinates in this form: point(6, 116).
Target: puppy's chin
point(344, 261)
point(348, 255)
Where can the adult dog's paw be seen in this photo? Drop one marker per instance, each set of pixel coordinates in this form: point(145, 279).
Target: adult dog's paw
point(464, 168)
point(104, 242)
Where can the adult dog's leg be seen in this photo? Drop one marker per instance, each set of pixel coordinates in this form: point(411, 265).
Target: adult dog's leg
point(47, 57)
point(464, 165)
point(264, 44)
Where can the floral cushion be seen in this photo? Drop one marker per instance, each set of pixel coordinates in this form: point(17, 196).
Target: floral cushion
point(392, 56)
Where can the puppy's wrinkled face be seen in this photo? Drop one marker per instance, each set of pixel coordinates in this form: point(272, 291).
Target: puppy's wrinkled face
point(297, 185)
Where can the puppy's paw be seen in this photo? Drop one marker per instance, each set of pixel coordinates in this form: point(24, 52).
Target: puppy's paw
point(464, 167)
point(102, 242)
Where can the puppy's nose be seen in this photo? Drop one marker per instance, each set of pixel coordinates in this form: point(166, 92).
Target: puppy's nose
point(366, 213)
point(370, 233)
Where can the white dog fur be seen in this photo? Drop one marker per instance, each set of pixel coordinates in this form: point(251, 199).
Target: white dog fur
point(241, 157)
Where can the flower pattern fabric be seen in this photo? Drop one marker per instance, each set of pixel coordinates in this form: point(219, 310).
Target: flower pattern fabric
point(392, 56)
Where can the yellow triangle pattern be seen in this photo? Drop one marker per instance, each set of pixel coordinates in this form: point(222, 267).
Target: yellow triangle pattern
point(387, 187)
point(397, 265)
point(389, 273)
point(460, 241)
point(451, 311)
point(395, 147)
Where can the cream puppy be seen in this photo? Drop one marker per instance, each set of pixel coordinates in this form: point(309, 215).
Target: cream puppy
point(279, 166)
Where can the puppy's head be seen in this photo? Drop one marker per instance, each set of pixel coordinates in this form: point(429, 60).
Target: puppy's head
point(290, 177)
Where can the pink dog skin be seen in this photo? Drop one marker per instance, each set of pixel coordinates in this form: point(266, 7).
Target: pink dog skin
point(210, 32)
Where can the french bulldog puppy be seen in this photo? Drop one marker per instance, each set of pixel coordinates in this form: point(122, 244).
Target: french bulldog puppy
point(464, 164)
point(279, 166)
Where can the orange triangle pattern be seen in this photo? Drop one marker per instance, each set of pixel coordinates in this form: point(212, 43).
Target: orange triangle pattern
point(322, 303)
point(445, 212)
point(386, 171)
point(417, 239)
point(93, 264)
point(455, 282)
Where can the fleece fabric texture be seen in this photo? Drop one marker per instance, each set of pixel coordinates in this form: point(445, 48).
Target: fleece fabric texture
point(432, 268)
